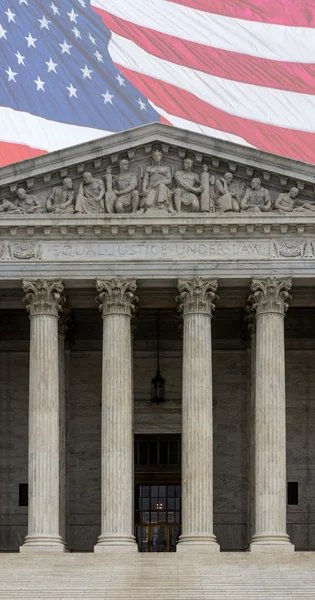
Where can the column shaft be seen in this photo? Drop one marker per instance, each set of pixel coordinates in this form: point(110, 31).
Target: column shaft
point(270, 417)
point(43, 512)
point(117, 420)
point(197, 436)
point(62, 436)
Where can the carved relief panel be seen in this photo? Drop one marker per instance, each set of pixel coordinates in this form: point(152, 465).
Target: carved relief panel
point(157, 179)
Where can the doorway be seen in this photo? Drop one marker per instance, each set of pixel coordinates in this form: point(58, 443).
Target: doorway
point(157, 516)
point(157, 538)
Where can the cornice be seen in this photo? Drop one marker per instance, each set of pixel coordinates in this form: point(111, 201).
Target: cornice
point(176, 226)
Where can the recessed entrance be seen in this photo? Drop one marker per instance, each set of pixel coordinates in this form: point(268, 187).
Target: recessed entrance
point(157, 492)
point(157, 517)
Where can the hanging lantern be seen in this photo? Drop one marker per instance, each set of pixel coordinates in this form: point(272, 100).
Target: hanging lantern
point(158, 382)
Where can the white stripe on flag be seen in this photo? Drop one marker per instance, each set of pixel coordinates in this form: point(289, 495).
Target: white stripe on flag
point(191, 126)
point(265, 105)
point(275, 42)
point(23, 128)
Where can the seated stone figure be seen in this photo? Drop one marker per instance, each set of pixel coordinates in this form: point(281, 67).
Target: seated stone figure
point(28, 203)
point(90, 198)
point(156, 185)
point(61, 198)
point(121, 195)
point(286, 201)
point(257, 198)
point(223, 194)
point(8, 207)
point(185, 195)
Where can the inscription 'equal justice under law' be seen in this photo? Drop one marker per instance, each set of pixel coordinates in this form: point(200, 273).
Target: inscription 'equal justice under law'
point(159, 250)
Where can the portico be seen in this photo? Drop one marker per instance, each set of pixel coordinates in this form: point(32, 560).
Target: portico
point(236, 353)
point(199, 488)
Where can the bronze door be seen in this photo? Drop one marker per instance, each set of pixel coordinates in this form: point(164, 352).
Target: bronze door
point(157, 517)
point(157, 538)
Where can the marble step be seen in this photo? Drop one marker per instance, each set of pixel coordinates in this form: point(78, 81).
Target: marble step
point(228, 576)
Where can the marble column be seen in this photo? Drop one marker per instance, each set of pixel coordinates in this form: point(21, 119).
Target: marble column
point(269, 298)
point(117, 302)
point(196, 304)
point(44, 301)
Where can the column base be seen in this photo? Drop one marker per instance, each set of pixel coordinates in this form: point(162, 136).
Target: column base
point(116, 543)
point(197, 543)
point(45, 543)
point(270, 542)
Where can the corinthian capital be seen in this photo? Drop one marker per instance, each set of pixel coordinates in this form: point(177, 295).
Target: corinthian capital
point(196, 295)
point(116, 296)
point(270, 295)
point(43, 296)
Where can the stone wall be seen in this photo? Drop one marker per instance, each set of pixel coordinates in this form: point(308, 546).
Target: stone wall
point(84, 450)
point(230, 448)
point(301, 444)
point(13, 447)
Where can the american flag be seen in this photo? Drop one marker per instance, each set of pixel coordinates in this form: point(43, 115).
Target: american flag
point(76, 70)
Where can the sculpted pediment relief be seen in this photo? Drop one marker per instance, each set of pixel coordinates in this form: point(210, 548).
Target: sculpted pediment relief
point(158, 178)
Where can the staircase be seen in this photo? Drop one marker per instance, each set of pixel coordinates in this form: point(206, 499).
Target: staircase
point(228, 576)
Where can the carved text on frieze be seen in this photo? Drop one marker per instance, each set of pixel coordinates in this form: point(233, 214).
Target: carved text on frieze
point(154, 251)
point(159, 251)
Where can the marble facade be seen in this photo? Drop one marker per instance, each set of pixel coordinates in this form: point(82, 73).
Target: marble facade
point(197, 223)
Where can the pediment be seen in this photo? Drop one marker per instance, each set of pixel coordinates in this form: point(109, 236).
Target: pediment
point(40, 175)
point(197, 215)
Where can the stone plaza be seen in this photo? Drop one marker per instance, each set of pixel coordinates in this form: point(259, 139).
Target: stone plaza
point(157, 250)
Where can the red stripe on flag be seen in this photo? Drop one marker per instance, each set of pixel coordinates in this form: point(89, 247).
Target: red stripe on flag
point(220, 63)
point(294, 13)
point(165, 121)
point(11, 153)
point(294, 144)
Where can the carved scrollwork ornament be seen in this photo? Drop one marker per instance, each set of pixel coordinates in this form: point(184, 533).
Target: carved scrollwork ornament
point(270, 295)
point(43, 296)
point(196, 295)
point(116, 296)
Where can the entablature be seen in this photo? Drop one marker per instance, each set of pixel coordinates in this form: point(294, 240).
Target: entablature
point(154, 202)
